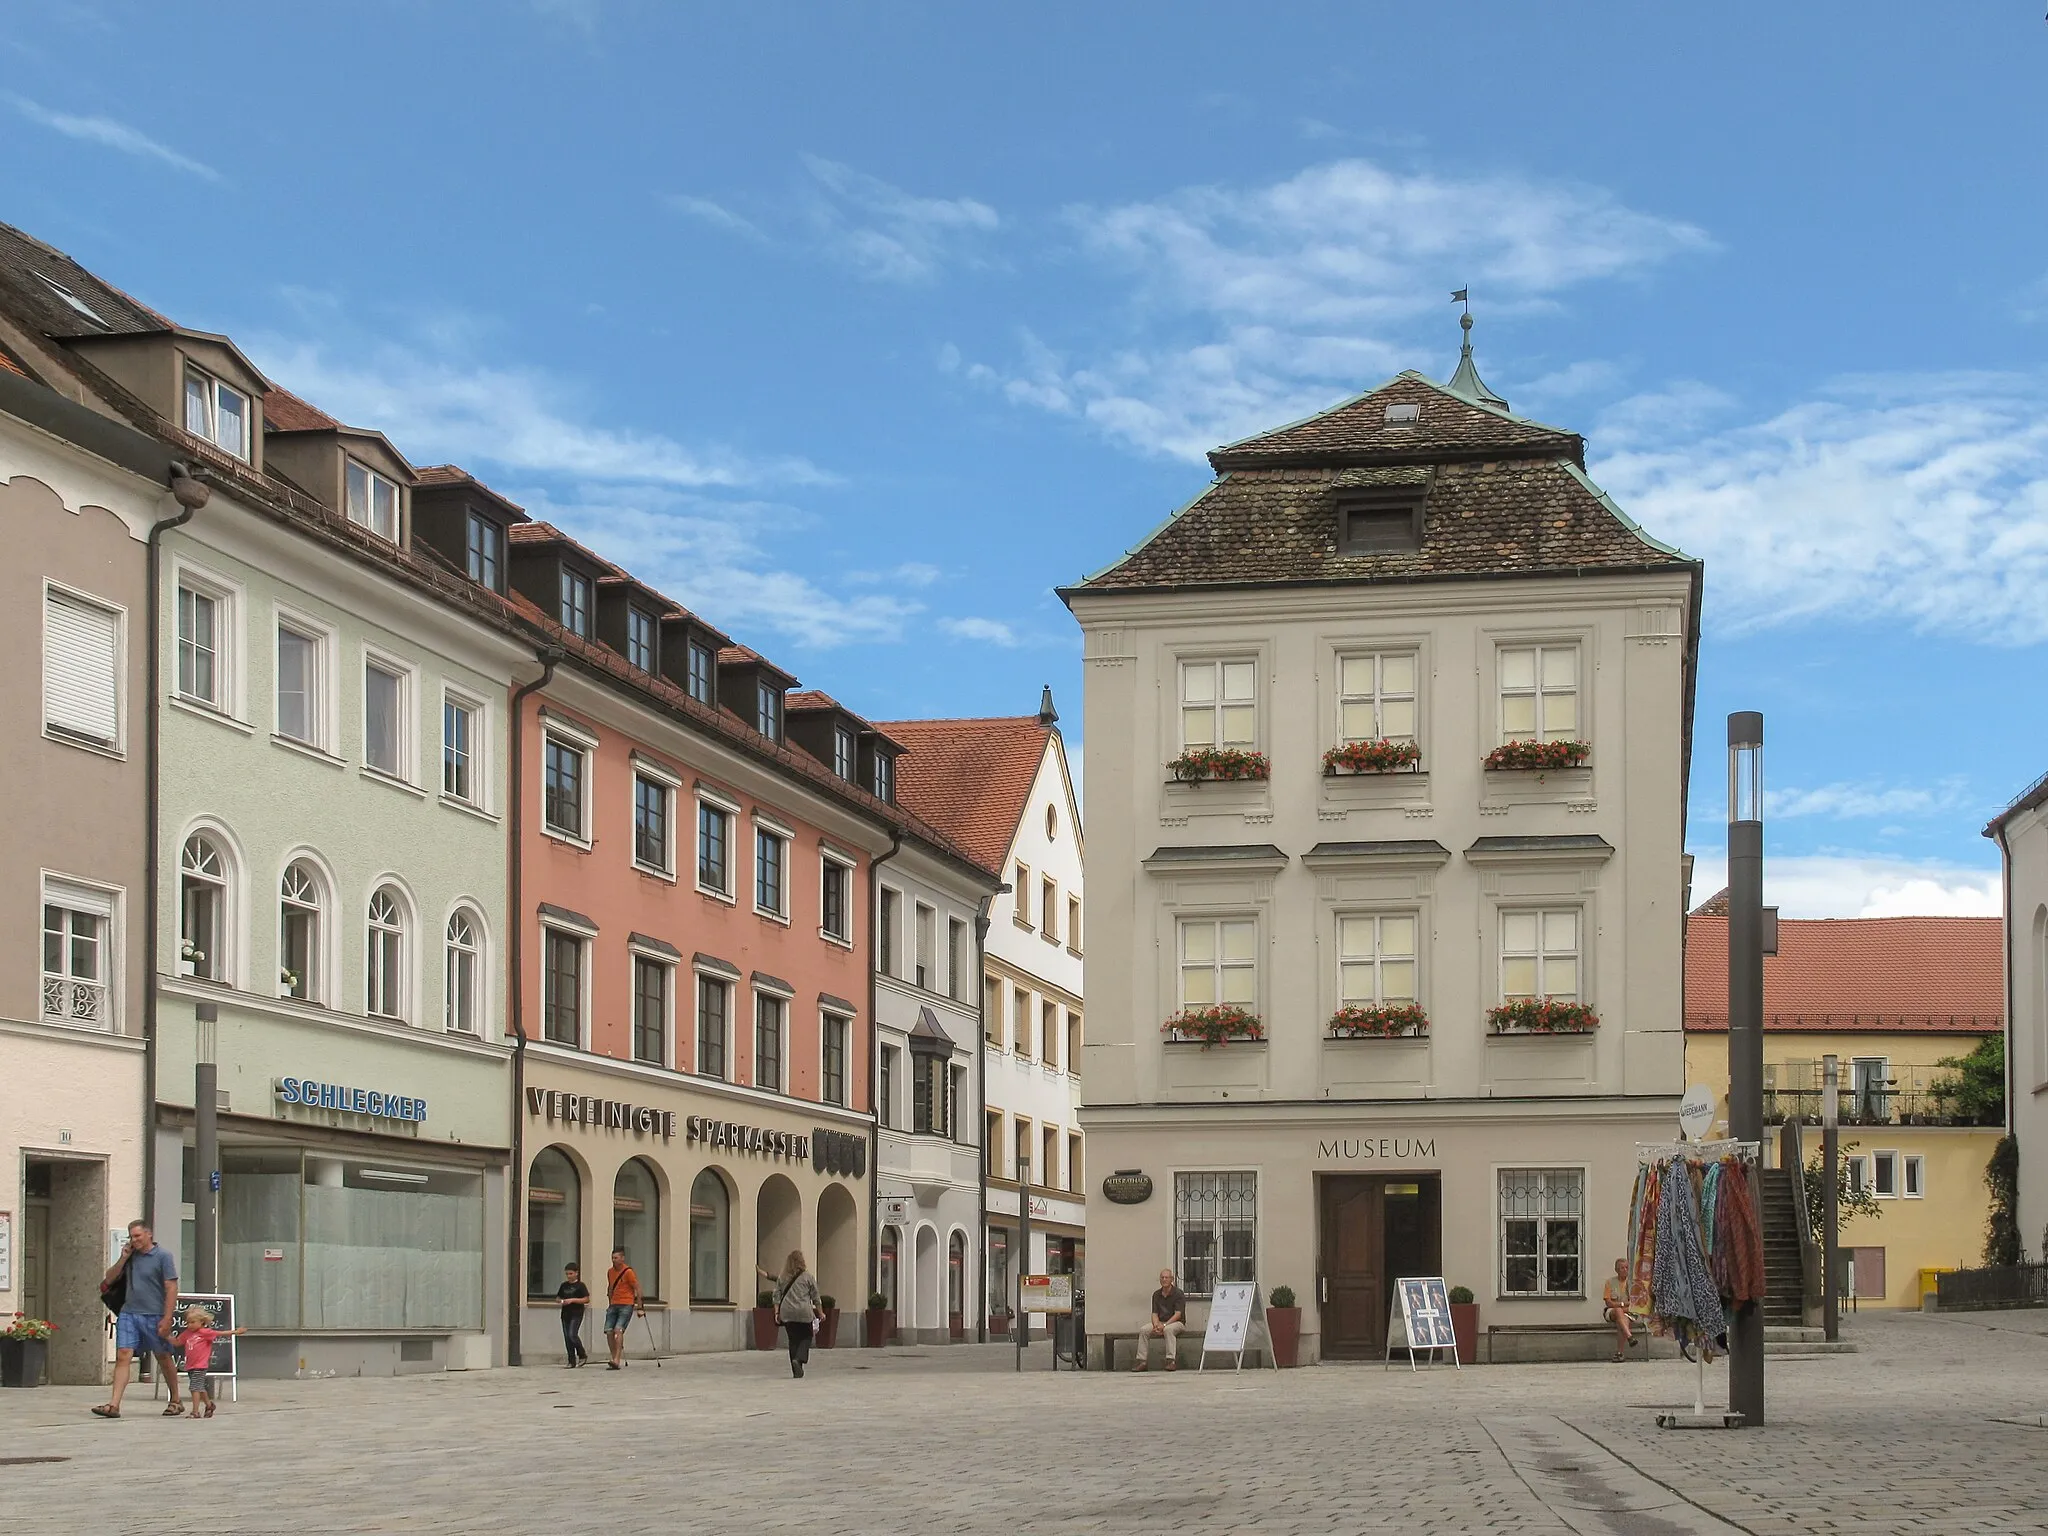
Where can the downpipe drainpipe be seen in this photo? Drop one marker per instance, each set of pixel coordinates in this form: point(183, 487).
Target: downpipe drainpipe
point(874, 1071)
point(191, 494)
point(549, 658)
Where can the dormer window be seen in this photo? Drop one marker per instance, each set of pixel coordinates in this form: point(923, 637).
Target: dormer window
point(217, 414)
point(372, 501)
point(768, 712)
point(843, 755)
point(1378, 527)
point(484, 550)
point(640, 642)
point(1403, 414)
point(885, 776)
point(703, 673)
point(575, 613)
point(73, 301)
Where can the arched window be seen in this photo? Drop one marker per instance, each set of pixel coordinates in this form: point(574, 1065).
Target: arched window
point(636, 1222)
point(710, 1238)
point(386, 970)
point(887, 1268)
point(956, 1282)
point(554, 1219)
point(465, 972)
point(298, 933)
point(202, 909)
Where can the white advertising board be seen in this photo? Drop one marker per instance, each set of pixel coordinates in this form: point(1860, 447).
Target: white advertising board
point(1047, 1293)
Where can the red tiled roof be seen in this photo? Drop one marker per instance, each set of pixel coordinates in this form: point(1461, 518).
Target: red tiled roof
point(1900, 975)
point(284, 411)
point(970, 778)
point(812, 698)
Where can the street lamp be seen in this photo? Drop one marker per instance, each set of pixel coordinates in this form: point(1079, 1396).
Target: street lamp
point(1746, 1014)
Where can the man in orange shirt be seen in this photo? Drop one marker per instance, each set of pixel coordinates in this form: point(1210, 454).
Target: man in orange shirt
point(622, 1300)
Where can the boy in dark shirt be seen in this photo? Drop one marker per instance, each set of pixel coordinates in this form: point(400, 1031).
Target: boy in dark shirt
point(572, 1296)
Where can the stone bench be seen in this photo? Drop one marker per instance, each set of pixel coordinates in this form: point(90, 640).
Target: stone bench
point(1639, 1340)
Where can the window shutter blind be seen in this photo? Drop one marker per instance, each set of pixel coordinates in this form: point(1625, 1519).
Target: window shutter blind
point(81, 660)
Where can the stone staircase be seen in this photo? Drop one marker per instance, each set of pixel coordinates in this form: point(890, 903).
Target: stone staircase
point(1795, 1342)
point(1784, 1275)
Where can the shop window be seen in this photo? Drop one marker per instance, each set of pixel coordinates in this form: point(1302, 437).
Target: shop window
point(1215, 1229)
point(299, 940)
point(710, 1238)
point(956, 1278)
point(887, 1268)
point(636, 1222)
point(998, 1274)
point(202, 909)
point(554, 1220)
point(1542, 1212)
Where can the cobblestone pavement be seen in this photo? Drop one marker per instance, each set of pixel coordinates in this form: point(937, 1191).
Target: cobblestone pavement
point(1936, 1426)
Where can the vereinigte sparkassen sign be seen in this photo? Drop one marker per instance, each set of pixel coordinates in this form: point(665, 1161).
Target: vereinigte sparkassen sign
point(833, 1152)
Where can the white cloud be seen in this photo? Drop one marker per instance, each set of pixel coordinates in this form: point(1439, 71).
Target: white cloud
point(988, 631)
point(107, 132)
point(516, 418)
point(1842, 801)
point(1262, 304)
point(717, 215)
point(887, 233)
point(1859, 885)
point(1916, 500)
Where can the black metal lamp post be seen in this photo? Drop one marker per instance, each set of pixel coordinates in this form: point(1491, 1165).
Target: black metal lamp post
point(1831, 1218)
point(1746, 1014)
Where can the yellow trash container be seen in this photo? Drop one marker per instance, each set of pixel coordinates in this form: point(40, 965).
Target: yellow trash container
point(1928, 1285)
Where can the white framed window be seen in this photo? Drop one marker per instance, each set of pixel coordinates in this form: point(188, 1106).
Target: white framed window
point(565, 787)
point(465, 745)
point(642, 643)
point(956, 959)
point(1539, 693)
point(771, 1021)
point(1542, 1231)
point(1215, 1229)
point(771, 873)
point(1376, 696)
point(204, 887)
point(83, 646)
point(653, 824)
point(885, 776)
point(1884, 1175)
point(79, 955)
point(575, 602)
point(652, 988)
point(844, 762)
point(388, 714)
point(1219, 703)
point(1913, 1181)
point(1218, 961)
point(835, 899)
point(304, 682)
point(1539, 954)
point(768, 711)
point(714, 848)
point(703, 673)
point(216, 413)
point(484, 551)
point(888, 945)
point(564, 961)
point(714, 1021)
point(1859, 1172)
point(384, 968)
point(834, 1029)
point(199, 645)
point(1376, 957)
point(464, 999)
point(372, 500)
point(921, 958)
point(301, 932)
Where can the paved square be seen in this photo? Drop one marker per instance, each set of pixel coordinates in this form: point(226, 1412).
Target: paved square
point(1913, 1434)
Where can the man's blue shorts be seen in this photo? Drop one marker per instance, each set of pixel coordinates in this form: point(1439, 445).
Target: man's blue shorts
point(137, 1331)
point(616, 1318)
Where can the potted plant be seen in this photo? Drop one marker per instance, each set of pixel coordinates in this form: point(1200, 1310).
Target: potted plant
point(1230, 763)
point(881, 1321)
point(1218, 1024)
point(1379, 1021)
point(1372, 757)
point(828, 1330)
point(24, 1350)
point(764, 1320)
point(1541, 1016)
point(189, 957)
point(1537, 756)
point(1283, 1327)
point(1465, 1323)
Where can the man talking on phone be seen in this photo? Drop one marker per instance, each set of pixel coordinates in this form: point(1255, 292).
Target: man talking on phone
point(144, 1321)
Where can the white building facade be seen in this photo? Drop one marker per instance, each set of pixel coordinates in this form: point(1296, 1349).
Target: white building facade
point(2021, 832)
point(1308, 695)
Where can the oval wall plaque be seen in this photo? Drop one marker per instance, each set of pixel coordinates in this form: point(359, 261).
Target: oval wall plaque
point(1127, 1186)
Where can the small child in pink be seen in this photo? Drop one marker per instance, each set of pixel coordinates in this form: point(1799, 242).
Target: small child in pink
point(196, 1338)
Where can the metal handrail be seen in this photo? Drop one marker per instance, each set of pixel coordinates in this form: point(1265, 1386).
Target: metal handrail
point(1792, 1158)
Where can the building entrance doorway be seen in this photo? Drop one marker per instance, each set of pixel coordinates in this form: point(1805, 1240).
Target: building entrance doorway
point(1374, 1229)
point(63, 1240)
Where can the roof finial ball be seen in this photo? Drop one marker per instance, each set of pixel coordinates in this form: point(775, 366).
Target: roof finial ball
point(1466, 381)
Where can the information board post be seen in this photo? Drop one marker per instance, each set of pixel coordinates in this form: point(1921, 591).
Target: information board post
point(1231, 1309)
point(1422, 1308)
point(1051, 1294)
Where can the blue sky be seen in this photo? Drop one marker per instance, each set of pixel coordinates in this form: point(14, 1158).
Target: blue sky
point(861, 327)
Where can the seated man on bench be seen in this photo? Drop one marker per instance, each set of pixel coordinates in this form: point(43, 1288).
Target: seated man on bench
point(1169, 1316)
point(1614, 1307)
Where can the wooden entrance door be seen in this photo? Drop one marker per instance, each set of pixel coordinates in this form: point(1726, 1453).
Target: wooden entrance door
point(1354, 1298)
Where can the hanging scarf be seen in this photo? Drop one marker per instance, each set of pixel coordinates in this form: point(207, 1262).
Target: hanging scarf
point(1681, 1285)
point(1738, 1257)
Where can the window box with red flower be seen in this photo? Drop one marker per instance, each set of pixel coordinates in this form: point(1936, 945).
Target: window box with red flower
point(1373, 757)
point(1537, 756)
point(1198, 764)
point(1216, 1025)
point(1380, 1021)
point(1541, 1016)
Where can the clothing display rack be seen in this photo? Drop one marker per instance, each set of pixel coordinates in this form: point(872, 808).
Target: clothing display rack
point(1691, 1255)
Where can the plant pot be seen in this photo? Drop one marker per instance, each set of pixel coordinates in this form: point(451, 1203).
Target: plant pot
point(764, 1327)
point(1465, 1329)
point(828, 1330)
point(1283, 1327)
point(881, 1326)
point(22, 1362)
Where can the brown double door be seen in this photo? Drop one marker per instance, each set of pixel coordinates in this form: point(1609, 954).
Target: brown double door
point(1375, 1229)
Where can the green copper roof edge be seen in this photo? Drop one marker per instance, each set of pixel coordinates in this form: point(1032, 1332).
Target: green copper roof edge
point(1620, 516)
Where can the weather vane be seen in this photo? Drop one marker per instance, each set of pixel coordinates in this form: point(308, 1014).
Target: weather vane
point(1462, 296)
